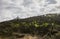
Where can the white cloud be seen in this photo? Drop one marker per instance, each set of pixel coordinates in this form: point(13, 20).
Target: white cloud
point(9, 9)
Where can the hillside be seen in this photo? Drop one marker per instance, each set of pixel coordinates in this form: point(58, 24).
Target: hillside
point(45, 26)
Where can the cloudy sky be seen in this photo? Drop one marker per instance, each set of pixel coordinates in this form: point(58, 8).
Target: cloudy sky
point(10, 9)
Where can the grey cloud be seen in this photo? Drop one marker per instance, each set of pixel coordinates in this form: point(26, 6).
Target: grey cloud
point(42, 9)
point(58, 7)
point(55, 9)
point(26, 8)
point(51, 1)
point(52, 10)
point(27, 2)
point(13, 8)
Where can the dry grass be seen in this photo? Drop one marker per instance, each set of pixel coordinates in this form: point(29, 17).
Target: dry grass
point(32, 37)
point(25, 37)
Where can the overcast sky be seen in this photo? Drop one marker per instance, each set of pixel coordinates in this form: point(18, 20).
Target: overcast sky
point(10, 9)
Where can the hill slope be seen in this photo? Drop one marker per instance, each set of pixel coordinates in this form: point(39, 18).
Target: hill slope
point(48, 25)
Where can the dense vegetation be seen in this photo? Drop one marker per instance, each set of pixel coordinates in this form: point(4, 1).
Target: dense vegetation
point(47, 26)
